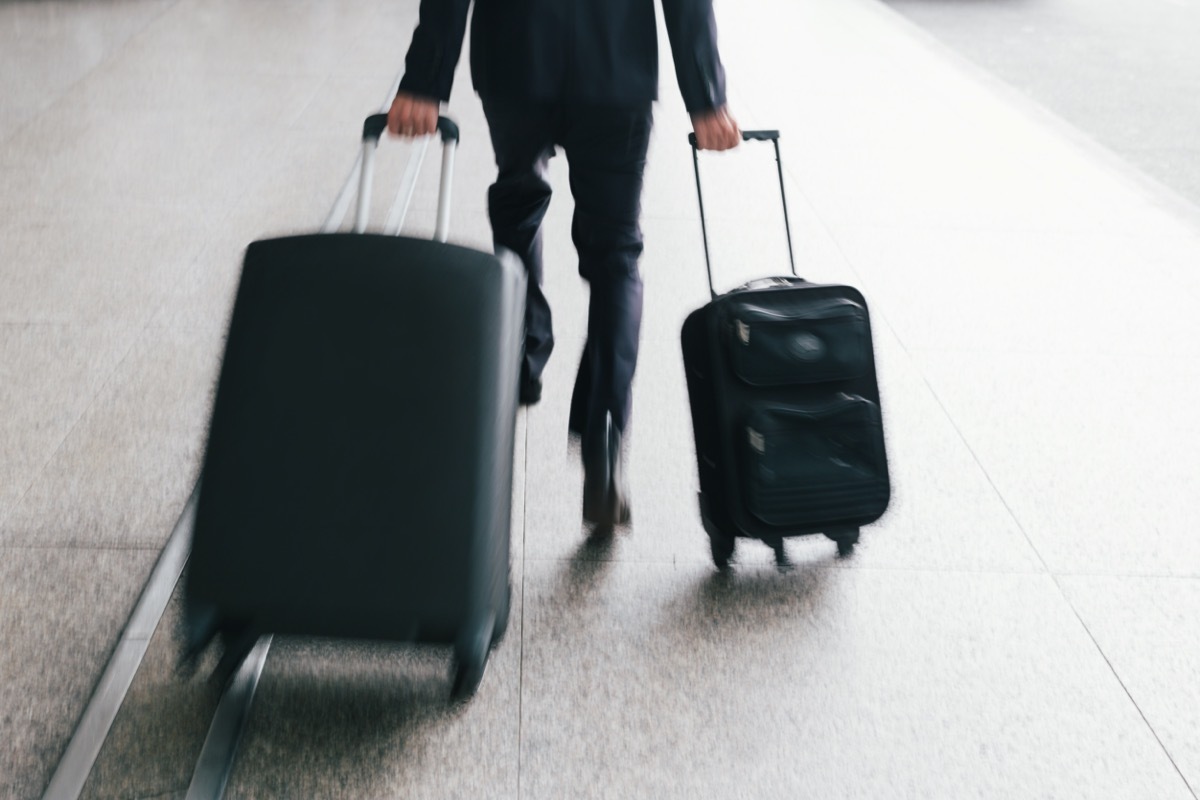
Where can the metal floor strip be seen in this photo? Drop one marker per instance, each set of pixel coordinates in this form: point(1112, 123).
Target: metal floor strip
point(81, 753)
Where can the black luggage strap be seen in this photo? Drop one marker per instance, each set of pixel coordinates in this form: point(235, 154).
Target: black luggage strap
point(758, 136)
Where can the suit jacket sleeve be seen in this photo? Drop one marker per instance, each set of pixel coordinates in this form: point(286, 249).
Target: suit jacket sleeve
point(436, 45)
point(692, 29)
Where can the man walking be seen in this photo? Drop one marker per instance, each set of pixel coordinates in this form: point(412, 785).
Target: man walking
point(581, 75)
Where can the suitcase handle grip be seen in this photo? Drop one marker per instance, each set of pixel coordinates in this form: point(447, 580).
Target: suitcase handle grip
point(757, 136)
point(760, 136)
point(373, 128)
point(376, 124)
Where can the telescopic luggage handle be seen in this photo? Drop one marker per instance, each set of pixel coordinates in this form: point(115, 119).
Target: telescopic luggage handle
point(758, 136)
point(373, 129)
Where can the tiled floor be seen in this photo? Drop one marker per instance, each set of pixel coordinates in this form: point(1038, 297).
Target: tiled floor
point(1020, 624)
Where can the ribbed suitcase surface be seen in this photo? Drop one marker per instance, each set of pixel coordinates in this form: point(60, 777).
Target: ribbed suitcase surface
point(806, 464)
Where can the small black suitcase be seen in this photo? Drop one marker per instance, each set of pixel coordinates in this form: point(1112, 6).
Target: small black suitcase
point(785, 408)
point(358, 476)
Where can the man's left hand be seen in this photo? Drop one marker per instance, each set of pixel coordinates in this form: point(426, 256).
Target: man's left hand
point(716, 129)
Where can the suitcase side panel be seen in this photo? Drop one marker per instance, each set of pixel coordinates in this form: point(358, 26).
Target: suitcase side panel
point(702, 385)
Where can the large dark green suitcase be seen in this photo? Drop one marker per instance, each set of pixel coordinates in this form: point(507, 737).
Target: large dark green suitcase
point(358, 476)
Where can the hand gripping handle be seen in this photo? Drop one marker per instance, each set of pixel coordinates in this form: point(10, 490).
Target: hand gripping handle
point(376, 124)
point(373, 129)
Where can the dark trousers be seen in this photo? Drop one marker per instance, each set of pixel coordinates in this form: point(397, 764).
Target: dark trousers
point(606, 154)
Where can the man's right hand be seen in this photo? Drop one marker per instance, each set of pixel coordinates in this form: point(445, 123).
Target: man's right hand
point(411, 115)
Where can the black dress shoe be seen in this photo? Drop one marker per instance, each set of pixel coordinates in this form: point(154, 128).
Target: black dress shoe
point(531, 391)
point(605, 494)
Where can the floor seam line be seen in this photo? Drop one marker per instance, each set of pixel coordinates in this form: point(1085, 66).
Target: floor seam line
point(524, 577)
point(978, 462)
point(835, 240)
point(1124, 688)
point(97, 548)
point(108, 57)
point(810, 566)
point(104, 384)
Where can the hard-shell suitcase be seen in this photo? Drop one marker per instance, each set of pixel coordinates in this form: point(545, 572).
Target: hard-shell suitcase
point(785, 408)
point(357, 480)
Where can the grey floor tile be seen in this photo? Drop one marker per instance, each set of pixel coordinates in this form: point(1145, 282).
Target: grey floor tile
point(17, 472)
point(156, 738)
point(372, 56)
point(202, 297)
point(48, 46)
point(14, 116)
point(108, 158)
point(102, 265)
point(340, 104)
point(99, 27)
point(520, 483)
point(308, 42)
point(193, 96)
point(1031, 293)
point(49, 374)
point(60, 614)
point(887, 166)
point(1088, 452)
point(34, 73)
point(669, 681)
point(122, 476)
point(1146, 629)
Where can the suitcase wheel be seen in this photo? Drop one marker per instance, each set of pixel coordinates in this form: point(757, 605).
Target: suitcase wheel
point(470, 660)
point(722, 544)
point(846, 538)
point(239, 639)
point(502, 617)
point(468, 674)
point(781, 557)
point(722, 550)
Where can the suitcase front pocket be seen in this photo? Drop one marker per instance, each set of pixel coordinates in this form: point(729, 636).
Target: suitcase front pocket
point(811, 465)
point(798, 343)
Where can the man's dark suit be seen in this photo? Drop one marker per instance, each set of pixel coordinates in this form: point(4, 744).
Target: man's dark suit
point(594, 51)
point(580, 75)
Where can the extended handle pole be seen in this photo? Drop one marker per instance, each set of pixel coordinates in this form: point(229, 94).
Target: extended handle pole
point(787, 225)
point(703, 225)
point(758, 136)
point(373, 129)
